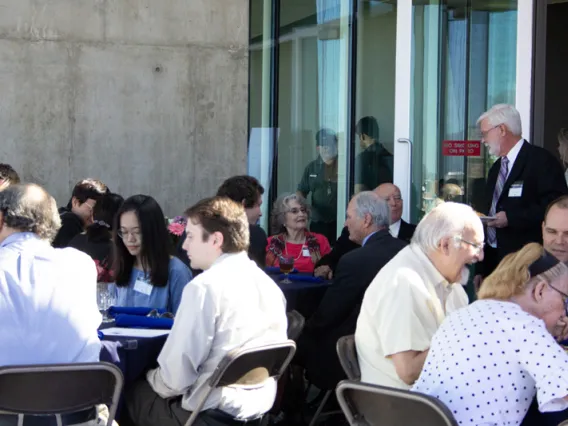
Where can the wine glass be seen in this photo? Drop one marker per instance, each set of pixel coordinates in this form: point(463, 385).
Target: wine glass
point(286, 266)
point(106, 297)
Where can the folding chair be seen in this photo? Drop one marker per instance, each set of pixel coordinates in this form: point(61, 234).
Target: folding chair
point(248, 366)
point(347, 353)
point(296, 322)
point(59, 389)
point(371, 405)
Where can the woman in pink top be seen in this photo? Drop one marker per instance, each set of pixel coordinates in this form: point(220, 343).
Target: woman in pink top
point(290, 217)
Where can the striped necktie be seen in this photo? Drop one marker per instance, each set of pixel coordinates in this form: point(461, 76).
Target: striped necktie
point(503, 171)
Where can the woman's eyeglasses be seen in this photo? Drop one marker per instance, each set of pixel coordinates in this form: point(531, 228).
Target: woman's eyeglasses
point(297, 210)
point(155, 314)
point(137, 235)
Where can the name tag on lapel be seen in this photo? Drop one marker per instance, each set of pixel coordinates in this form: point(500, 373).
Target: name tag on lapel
point(305, 252)
point(143, 287)
point(516, 190)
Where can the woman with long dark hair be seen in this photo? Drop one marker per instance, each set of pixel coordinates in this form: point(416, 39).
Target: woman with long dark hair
point(145, 273)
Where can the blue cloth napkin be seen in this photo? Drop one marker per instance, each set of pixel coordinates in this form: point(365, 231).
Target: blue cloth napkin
point(302, 278)
point(137, 321)
point(276, 270)
point(143, 311)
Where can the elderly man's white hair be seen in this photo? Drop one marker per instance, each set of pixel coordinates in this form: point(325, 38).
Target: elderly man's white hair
point(446, 220)
point(504, 114)
point(368, 202)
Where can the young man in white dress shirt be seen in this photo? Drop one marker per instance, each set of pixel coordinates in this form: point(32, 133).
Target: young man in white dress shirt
point(233, 303)
point(411, 295)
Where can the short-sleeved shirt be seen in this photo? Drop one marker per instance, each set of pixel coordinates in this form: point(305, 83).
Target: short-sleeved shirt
point(374, 166)
point(487, 362)
point(320, 180)
point(167, 297)
point(402, 309)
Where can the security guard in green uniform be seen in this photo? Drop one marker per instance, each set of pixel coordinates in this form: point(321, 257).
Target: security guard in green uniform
point(320, 179)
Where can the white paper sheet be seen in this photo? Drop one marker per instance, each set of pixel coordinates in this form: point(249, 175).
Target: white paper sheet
point(134, 332)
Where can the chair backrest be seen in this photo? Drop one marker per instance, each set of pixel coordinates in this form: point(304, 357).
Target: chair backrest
point(60, 388)
point(248, 366)
point(296, 322)
point(347, 353)
point(371, 405)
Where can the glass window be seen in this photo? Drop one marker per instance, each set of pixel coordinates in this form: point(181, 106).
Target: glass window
point(464, 62)
point(375, 94)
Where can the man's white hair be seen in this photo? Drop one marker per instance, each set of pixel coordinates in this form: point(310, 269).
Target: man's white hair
point(503, 114)
point(445, 220)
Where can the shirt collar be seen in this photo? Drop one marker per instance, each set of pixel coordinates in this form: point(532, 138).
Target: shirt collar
point(226, 256)
point(367, 238)
point(17, 237)
point(432, 274)
point(514, 152)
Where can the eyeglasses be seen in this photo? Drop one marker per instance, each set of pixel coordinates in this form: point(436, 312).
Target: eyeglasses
point(155, 314)
point(296, 210)
point(137, 235)
point(478, 247)
point(486, 132)
point(563, 295)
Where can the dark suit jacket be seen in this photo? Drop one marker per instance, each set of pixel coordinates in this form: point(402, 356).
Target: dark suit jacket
point(337, 313)
point(344, 245)
point(542, 181)
point(71, 226)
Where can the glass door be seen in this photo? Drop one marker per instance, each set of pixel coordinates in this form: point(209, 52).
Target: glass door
point(454, 60)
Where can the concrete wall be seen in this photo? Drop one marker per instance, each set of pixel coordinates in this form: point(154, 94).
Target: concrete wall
point(148, 96)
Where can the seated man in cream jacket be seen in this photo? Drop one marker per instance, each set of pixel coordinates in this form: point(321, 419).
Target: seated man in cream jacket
point(232, 304)
point(410, 296)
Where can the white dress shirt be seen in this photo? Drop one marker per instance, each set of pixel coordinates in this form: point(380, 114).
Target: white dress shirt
point(487, 362)
point(394, 228)
point(513, 154)
point(402, 309)
point(230, 305)
point(48, 303)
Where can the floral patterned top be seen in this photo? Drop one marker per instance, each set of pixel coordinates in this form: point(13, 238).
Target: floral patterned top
point(316, 244)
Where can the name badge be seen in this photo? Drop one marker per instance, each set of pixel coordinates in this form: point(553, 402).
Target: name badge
point(143, 287)
point(516, 189)
point(305, 252)
point(313, 176)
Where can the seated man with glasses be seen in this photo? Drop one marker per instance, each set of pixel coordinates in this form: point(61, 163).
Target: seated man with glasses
point(489, 360)
point(232, 304)
point(411, 295)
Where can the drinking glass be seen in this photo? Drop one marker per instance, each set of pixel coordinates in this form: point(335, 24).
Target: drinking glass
point(106, 297)
point(286, 266)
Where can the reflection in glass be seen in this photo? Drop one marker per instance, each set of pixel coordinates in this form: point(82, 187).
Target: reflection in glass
point(464, 61)
point(375, 95)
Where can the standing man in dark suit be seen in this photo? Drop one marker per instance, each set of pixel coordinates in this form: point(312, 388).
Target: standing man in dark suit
point(398, 229)
point(368, 220)
point(520, 185)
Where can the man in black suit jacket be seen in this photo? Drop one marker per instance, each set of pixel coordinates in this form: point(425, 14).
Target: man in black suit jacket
point(520, 185)
point(398, 229)
point(368, 224)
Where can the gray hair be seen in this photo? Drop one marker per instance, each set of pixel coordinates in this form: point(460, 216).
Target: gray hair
point(445, 220)
point(504, 114)
point(281, 207)
point(29, 208)
point(368, 202)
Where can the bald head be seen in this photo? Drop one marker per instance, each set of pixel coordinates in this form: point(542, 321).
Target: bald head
point(28, 208)
point(391, 194)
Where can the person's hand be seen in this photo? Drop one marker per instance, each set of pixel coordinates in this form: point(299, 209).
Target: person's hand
point(324, 272)
point(561, 329)
point(477, 280)
point(500, 221)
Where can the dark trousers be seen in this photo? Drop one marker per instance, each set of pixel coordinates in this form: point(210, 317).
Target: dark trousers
point(147, 408)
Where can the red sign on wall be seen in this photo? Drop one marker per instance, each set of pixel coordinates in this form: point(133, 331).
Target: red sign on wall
point(461, 148)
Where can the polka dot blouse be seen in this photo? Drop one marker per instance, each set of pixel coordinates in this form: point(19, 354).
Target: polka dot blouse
point(488, 360)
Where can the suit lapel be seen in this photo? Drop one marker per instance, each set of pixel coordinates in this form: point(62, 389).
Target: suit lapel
point(518, 167)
